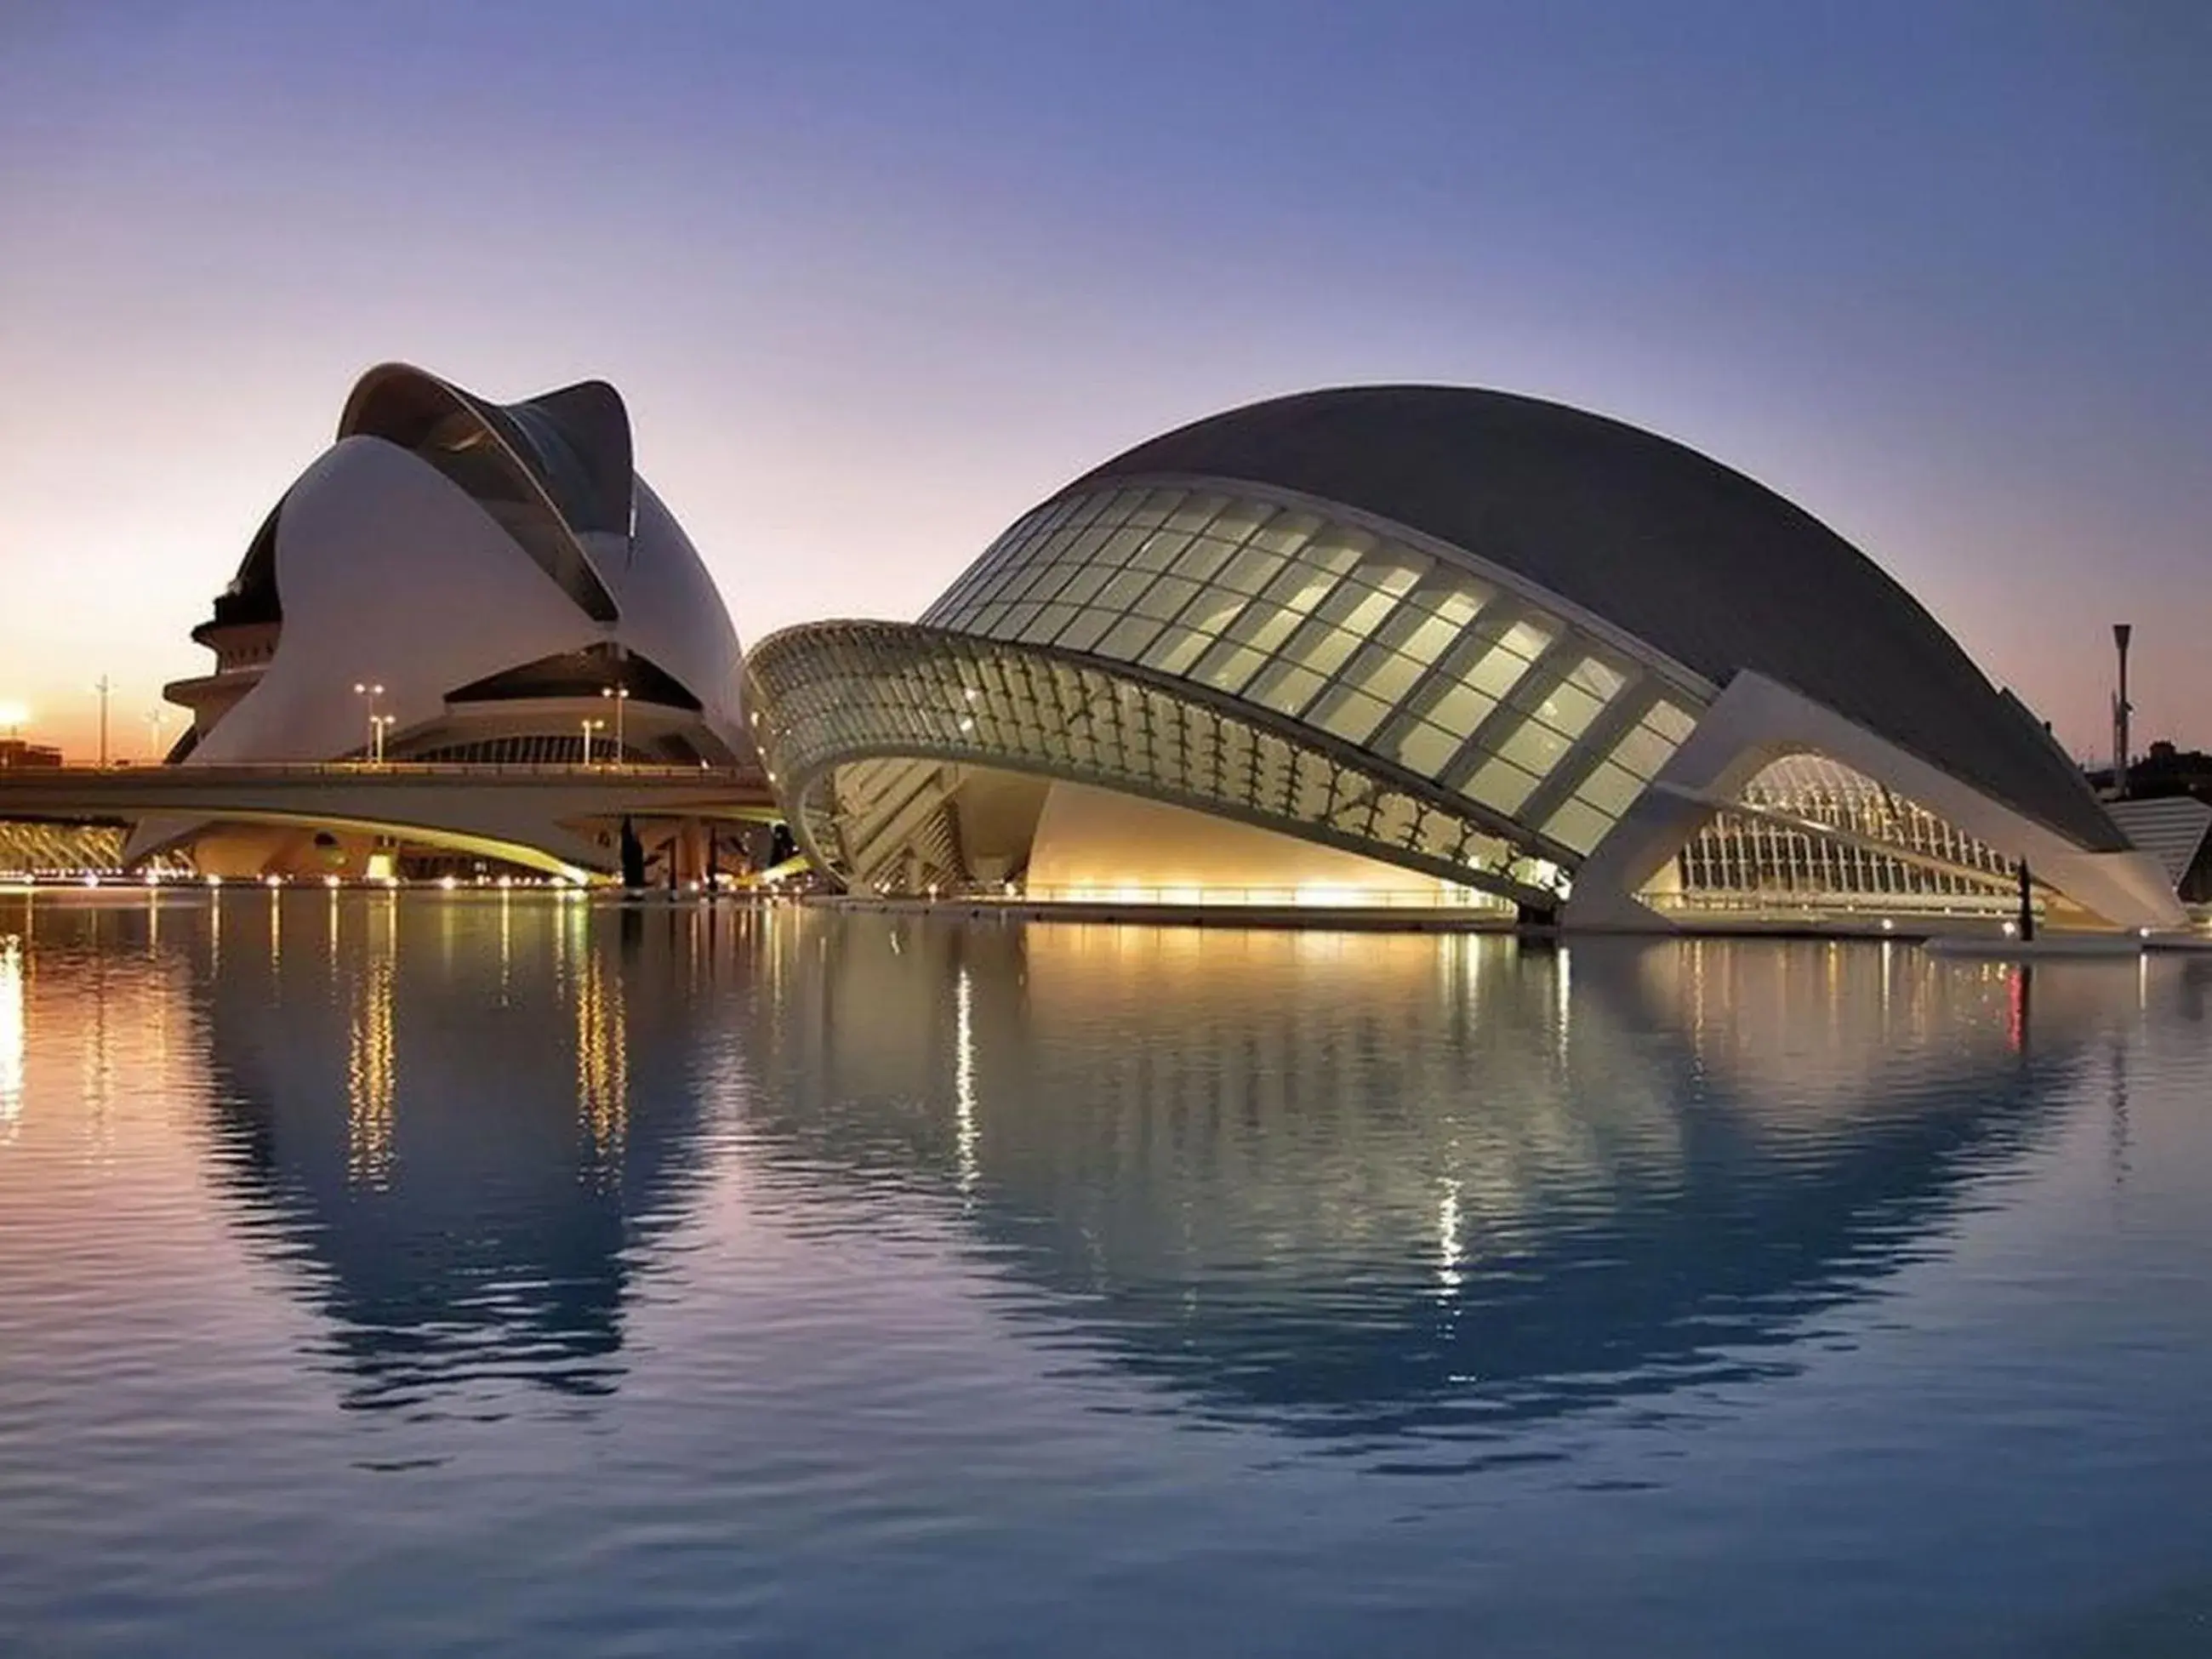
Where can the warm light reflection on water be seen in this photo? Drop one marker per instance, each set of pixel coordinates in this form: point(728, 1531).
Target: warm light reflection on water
point(806, 1280)
point(11, 1032)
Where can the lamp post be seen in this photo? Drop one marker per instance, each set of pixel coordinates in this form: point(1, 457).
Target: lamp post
point(103, 686)
point(375, 725)
point(590, 726)
point(617, 695)
point(378, 725)
point(156, 717)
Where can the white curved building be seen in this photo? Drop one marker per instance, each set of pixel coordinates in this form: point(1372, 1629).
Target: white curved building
point(1432, 645)
point(458, 580)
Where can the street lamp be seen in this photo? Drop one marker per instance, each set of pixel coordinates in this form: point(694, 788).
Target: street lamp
point(376, 726)
point(156, 717)
point(590, 726)
point(617, 695)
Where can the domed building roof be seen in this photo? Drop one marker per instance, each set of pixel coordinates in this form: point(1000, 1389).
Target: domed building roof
point(1693, 558)
point(1521, 653)
point(405, 555)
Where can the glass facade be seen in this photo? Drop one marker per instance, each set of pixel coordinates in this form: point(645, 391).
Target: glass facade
point(1816, 833)
point(866, 728)
point(1533, 723)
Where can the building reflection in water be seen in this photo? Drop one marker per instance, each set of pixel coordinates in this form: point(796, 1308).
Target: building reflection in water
point(1371, 1184)
point(469, 1121)
point(1344, 1184)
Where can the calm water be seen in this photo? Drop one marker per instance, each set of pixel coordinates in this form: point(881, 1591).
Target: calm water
point(454, 1276)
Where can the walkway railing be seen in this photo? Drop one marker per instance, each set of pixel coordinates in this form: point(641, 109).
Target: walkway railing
point(368, 768)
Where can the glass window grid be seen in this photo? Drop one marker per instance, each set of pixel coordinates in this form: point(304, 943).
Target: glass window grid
point(1023, 707)
point(1376, 596)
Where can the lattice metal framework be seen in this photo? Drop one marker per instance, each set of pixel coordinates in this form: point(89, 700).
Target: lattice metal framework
point(1413, 651)
point(1814, 829)
point(829, 699)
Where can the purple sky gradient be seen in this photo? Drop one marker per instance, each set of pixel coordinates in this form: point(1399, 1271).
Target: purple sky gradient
point(875, 277)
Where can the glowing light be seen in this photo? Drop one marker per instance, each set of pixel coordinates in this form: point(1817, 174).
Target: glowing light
point(372, 1069)
point(330, 881)
point(1887, 926)
point(272, 881)
point(1450, 1251)
point(963, 1083)
point(2011, 929)
point(12, 1042)
point(14, 716)
point(378, 867)
point(447, 883)
point(215, 881)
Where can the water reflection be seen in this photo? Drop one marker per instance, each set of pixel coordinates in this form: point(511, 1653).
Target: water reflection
point(1368, 1185)
point(472, 1121)
point(11, 1032)
point(1348, 1185)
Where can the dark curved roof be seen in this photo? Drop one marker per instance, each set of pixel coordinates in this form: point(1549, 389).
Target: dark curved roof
point(1706, 565)
point(551, 468)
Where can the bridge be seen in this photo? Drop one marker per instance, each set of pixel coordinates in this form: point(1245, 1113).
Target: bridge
point(561, 820)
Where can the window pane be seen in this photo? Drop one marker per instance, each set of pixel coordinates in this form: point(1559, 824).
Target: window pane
point(1211, 611)
point(1263, 627)
point(1428, 749)
point(1194, 514)
point(1175, 650)
point(1299, 588)
point(1384, 673)
point(1321, 646)
point(1159, 550)
point(1497, 673)
point(1166, 596)
point(1237, 520)
point(1048, 622)
point(1127, 638)
point(1228, 665)
point(1669, 721)
point(1610, 789)
point(1350, 715)
point(1428, 638)
point(1599, 677)
point(1643, 751)
point(1083, 633)
point(1120, 543)
point(1578, 824)
point(1535, 747)
point(1394, 569)
point(1568, 708)
point(1459, 602)
point(1203, 558)
point(1286, 533)
point(1285, 687)
point(1500, 785)
point(1461, 709)
point(1357, 608)
point(1529, 638)
point(1152, 511)
point(1121, 592)
point(1250, 571)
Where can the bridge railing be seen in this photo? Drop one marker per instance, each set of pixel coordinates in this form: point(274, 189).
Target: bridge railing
point(367, 769)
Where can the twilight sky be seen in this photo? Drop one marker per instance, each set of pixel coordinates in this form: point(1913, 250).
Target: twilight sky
point(874, 277)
